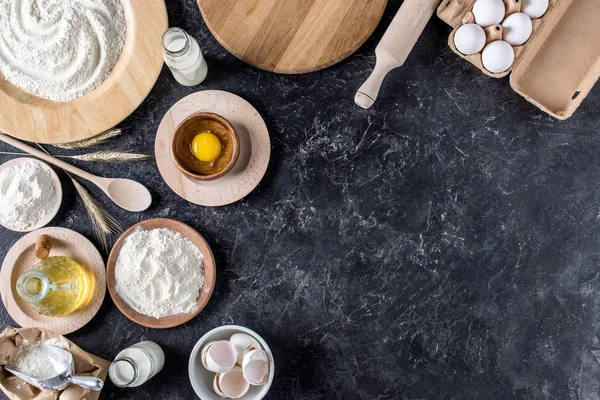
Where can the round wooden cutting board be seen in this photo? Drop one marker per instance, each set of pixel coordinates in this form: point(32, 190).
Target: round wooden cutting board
point(32, 118)
point(292, 36)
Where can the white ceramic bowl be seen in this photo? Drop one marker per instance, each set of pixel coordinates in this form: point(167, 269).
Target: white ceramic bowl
point(202, 379)
point(57, 189)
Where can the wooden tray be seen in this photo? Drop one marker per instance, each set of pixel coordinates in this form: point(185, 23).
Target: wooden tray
point(209, 274)
point(255, 148)
point(292, 36)
point(32, 118)
point(21, 257)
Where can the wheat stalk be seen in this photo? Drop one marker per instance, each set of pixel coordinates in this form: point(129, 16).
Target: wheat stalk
point(93, 141)
point(102, 222)
point(111, 156)
point(100, 156)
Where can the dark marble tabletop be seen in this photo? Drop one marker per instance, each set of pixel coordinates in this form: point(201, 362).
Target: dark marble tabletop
point(442, 245)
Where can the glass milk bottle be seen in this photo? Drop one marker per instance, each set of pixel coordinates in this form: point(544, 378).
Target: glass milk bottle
point(136, 364)
point(184, 58)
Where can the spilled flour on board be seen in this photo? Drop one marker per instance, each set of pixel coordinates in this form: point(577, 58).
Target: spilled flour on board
point(60, 49)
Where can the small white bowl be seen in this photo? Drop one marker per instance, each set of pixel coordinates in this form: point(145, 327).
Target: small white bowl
point(202, 379)
point(57, 189)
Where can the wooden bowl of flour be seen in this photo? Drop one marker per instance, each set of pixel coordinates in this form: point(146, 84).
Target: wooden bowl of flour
point(35, 119)
point(209, 274)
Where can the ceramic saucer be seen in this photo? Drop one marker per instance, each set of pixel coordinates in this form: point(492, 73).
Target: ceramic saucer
point(57, 193)
point(255, 148)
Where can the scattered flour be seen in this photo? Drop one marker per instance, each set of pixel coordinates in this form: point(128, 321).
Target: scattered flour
point(60, 49)
point(27, 194)
point(159, 272)
point(31, 361)
point(57, 342)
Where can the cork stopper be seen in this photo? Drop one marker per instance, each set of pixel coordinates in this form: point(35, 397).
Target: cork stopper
point(43, 244)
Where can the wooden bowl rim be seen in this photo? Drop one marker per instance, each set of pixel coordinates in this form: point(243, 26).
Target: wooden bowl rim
point(209, 278)
point(232, 132)
point(140, 61)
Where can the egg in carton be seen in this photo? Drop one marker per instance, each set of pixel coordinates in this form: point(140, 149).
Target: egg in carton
point(554, 60)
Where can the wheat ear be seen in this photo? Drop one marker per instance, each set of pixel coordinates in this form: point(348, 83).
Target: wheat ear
point(93, 141)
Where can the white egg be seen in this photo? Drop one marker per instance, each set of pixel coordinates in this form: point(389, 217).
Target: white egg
point(516, 29)
point(498, 56)
point(534, 8)
point(219, 356)
point(469, 39)
point(231, 384)
point(244, 343)
point(488, 12)
point(255, 367)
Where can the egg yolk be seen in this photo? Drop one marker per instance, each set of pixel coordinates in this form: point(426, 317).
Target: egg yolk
point(206, 147)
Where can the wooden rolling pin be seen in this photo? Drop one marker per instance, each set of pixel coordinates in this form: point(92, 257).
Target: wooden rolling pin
point(396, 45)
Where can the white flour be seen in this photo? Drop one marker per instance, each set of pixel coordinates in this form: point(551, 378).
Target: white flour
point(60, 49)
point(27, 194)
point(159, 272)
point(31, 361)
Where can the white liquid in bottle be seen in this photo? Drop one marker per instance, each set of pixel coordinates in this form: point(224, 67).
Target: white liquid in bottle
point(136, 364)
point(184, 58)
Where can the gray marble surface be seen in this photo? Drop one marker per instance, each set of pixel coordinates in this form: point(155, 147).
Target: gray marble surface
point(442, 245)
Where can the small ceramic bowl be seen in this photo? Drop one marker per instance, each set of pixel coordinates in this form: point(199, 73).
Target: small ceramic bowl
point(202, 379)
point(185, 132)
point(57, 191)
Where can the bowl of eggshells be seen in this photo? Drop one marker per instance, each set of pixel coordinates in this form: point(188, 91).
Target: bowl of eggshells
point(231, 362)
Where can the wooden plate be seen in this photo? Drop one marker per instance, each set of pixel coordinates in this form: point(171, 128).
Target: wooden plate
point(35, 119)
point(209, 274)
point(255, 148)
point(21, 257)
point(57, 192)
point(292, 36)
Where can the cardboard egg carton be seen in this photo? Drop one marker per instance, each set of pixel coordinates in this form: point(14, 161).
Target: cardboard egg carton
point(559, 64)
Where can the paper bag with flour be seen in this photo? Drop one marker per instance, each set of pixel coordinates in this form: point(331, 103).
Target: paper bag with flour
point(85, 364)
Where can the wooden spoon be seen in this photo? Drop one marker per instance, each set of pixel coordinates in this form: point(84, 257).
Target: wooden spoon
point(396, 45)
point(126, 193)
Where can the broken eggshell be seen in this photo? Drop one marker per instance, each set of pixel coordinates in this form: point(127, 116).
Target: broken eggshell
point(231, 383)
point(219, 356)
point(244, 344)
point(255, 367)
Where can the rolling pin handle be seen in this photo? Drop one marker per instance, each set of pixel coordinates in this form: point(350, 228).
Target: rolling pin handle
point(368, 92)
